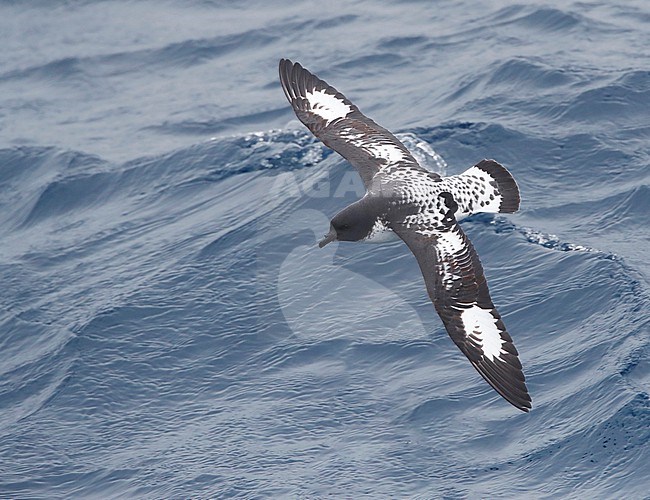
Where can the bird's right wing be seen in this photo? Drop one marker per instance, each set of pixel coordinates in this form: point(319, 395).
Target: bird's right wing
point(456, 284)
point(331, 117)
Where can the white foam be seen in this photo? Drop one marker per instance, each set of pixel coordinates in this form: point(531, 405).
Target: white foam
point(423, 153)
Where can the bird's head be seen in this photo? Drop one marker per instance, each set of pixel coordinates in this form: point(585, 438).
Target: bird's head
point(349, 224)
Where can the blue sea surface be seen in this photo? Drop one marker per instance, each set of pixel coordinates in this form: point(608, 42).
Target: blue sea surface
point(169, 327)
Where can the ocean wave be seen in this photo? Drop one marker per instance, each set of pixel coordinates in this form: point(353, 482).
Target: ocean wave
point(170, 327)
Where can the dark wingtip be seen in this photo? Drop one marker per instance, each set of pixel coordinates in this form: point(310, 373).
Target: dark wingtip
point(523, 405)
point(294, 79)
point(286, 70)
point(510, 384)
point(285, 62)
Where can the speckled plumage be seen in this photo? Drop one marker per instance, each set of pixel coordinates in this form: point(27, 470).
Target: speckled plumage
point(421, 208)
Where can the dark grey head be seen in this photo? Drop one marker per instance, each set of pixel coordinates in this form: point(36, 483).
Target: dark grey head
point(353, 223)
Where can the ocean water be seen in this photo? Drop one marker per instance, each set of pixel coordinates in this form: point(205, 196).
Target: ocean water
point(169, 328)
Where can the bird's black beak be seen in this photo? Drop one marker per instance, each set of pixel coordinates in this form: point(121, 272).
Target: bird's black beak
point(331, 236)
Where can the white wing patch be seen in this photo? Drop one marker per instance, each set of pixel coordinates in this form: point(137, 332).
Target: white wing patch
point(449, 243)
point(327, 106)
point(389, 152)
point(383, 150)
point(480, 326)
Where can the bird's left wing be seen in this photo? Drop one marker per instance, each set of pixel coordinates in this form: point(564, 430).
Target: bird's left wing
point(331, 117)
point(456, 284)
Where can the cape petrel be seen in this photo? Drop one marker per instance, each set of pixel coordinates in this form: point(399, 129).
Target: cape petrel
point(421, 208)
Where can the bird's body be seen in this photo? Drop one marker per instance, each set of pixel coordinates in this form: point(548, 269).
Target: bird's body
point(421, 208)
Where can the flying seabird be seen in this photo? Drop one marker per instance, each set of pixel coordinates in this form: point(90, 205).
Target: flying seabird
point(420, 207)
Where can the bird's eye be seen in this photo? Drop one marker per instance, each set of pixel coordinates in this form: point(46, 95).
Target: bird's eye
point(345, 226)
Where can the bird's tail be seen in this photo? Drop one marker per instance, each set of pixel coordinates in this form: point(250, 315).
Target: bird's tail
point(485, 187)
